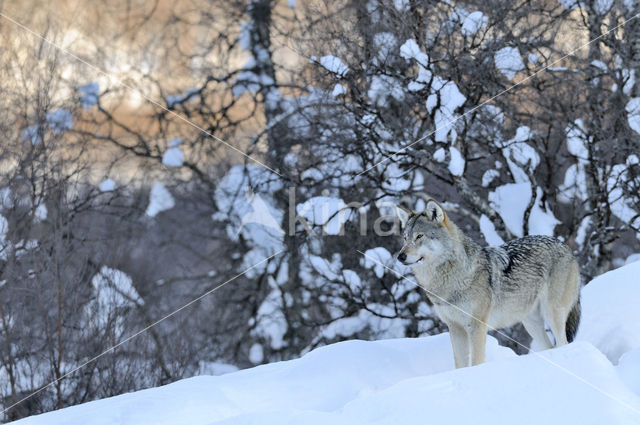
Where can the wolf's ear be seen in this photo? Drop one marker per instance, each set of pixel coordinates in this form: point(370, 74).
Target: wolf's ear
point(403, 214)
point(434, 212)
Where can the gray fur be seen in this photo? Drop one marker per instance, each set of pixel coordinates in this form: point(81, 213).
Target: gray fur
point(534, 280)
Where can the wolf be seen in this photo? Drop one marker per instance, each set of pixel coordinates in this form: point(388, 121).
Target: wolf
point(533, 280)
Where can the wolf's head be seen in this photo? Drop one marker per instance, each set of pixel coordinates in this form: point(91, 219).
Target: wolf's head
point(427, 235)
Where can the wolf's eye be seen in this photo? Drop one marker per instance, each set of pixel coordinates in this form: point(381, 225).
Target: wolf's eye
point(419, 236)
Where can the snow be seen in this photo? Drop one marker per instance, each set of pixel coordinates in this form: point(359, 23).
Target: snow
point(302, 391)
point(440, 155)
point(621, 206)
point(629, 369)
point(562, 69)
point(575, 179)
point(107, 185)
point(382, 86)
point(511, 201)
point(5, 198)
point(120, 283)
point(352, 279)
point(456, 165)
point(326, 268)
point(569, 4)
point(413, 380)
point(450, 99)
point(602, 6)
point(574, 186)
point(245, 35)
point(517, 152)
point(4, 229)
point(395, 179)
point(216, 368)
point(581, 233)
point(113, 290)
point(632, 258)
point(346, 326)
point(90, 94)
point(159, 200)
point(271, 322)
point(414, 86)
point(373, 258)
point(40, 212)
point(312, 174)
point(411, 50)
point(432, 102)
point(324, 211)
point(244, 198)
point(60, 120)
point(386, 45)
point(472, 23)
point(334, 65)
point(508, 61)
point(23, 247)
point(256, 354)
point(32, 134)
point(489, 176)
point(611, 314)
point(488, 230)
point(600, 65)
point(260, 214)
point(380, 327)
point(173, 157)
point(401, 5)
point(246, 81)
point(630, 77)
point(173, 99)
point(633, 114)
point(576, 144)
point(338, 89)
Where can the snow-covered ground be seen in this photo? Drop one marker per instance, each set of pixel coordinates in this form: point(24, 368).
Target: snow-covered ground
point(595, 380)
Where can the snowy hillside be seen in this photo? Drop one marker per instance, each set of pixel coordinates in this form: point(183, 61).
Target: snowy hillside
point(595, 380)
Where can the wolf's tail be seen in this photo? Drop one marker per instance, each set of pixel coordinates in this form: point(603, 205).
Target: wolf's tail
point(573, 320)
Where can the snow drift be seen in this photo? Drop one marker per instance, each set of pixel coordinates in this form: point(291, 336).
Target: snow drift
point(595, 380)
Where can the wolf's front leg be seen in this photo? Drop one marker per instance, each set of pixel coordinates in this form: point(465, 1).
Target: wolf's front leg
point(478, 341)
point(460, 344)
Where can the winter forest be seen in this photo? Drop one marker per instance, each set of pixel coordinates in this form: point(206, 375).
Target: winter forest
point(154, 151)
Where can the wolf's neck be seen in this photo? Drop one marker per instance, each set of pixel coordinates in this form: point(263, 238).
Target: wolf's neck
point(448, 274)
point(453, 273)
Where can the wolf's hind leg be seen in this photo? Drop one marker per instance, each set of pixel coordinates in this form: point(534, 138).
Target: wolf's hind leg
point(558, 324)
point(460, 345)
point(534, 324)
point(564, 290)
